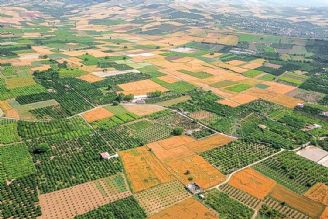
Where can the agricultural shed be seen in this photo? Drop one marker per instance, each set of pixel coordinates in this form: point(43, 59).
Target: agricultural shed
point(194, 188)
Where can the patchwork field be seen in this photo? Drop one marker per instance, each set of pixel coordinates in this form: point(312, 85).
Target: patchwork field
point(143, 169)
point(253, 183)
point(141, 87)
point(319, 193)
point(301, 203)
point(195, 169)
point(189, 208)
point(136, 109)
point(162, 196)
point(142, 109)
point(83, 198)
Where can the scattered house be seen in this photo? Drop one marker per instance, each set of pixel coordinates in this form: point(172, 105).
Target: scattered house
point(311, 127)
point(139, 99)
point(325, 114)
point(194, 188)
point(189, 132)
point(261, 126)
point(201, 196)
point(300, 105)
point(105, 155)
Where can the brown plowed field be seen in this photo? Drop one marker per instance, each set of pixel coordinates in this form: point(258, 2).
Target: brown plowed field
point(97, 114)
point(141, 87)
point(143, 169)
point(162, 196)
point(319, 193)
point(196, 169)
point(294, 200)
point(209, 143)
point(252, 182)
point(189, 208)
point(90, 78)
point(79, 199)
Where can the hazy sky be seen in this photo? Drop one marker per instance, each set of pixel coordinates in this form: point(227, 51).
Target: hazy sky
point(296, 3)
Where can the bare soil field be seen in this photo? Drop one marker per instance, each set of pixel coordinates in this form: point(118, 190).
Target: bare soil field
point(97, 114)
point(189, 208)
point(254, 64)
point(196, 169)
point(294, 200)
point(236, 63)
point(168, 79)
point(174, 101)
point(141, 87)
point(76, 200)
point(143, 169)
point(209, 143)
point(253, 183)
point(91, 78)
point(8, 110)
point(172, 148)
point(324, 214)
point(239, 99)
point(143, 109)
point(162, 196)
point(313, 153)
point(319, 193)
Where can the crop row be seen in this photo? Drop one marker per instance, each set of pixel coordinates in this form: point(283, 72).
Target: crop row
point(72, 162)
point(236, 155)
point(293, 171)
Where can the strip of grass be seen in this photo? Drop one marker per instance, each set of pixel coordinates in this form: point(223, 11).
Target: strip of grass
point(71, 72)
point(224, 83)
point(152, 71)
point(199, 74)
point(252, 73)
point(179, 87)
point(239, 87)
point(267, 77)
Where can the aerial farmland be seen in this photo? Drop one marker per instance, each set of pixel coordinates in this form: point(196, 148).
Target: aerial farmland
point(163, 109)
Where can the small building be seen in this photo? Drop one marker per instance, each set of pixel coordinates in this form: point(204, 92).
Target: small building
point(194, 188)
point(300, 105)
point(105, 155)
point(261, 126)
point(311, 127)
point(189, 132)
point(325, 114)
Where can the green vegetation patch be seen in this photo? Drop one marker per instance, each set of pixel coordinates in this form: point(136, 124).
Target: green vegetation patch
point(237, 155)
point(293, 171)
point(252, 73)
point(127, 208)
point(200, 74)
point(226, 206)
point(267, 77)
point(15, 162)
point(72, 162)
point(19, 199)
point(152, 71)
point(8, 132)
point(262, 86)
point(71, 72)
point(239, 87)
point(224, 83)
point(179, 87)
